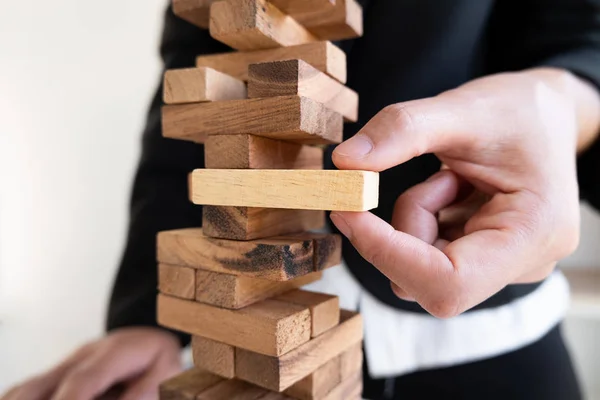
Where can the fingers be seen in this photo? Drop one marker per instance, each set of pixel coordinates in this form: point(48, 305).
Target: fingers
point(420, 269)
point(415, 210)
point(146, 386)
point(110, 364)
point(463, 273)
point(406, 130)
point(42, 386)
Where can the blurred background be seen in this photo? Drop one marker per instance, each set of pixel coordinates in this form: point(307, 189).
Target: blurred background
point(76, 78)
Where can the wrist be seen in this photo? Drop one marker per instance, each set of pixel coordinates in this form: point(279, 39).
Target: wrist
point(581, 95)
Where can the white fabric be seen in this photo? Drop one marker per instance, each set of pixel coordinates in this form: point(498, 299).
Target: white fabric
point(399, 342)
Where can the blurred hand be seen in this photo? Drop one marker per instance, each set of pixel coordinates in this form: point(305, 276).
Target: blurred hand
point(140, 358)
point(504, 210)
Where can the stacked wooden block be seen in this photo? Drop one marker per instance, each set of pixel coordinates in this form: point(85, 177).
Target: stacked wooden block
point(234, 284)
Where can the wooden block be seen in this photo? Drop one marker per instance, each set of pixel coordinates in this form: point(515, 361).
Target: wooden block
point(291, 118)
point(273, 258)
point(255, 152)
point(295, 7)
point(269, 327)
point(254, 25)
point(212, 356)
point(232, 390)
point(275, 396)
point(318, 384)
point(351, 361)
point(327, 249)
point(178, 281)
point(296, 77)
point(324, 56)
point(324, 308)
point(344, 21)
point(279, 373)
point(248, 223)
point(349, 389)
point(296, 189)
point(235, 292)
point(196, 12)
point(193, 85)
point(187, 385)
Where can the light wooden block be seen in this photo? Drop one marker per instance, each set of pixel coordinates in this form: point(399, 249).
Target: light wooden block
point(324, 308)
point(291, 118)
point(350, 389)
point(279, 373)
point(351, 361)
point(178, 281)
point(249, 223)
point(235, 292)
point(273, 258)
point(194, 85)
point(254, 25)
point(255, 152)
point(344, 21)
point(324, 56)
point(270, 327)
point(296, 77)
point(212, 356)
point(318, 384)
point(196, 12)
point(232, 390)
point(187, 385)
point(294, 8)
point(296, 189)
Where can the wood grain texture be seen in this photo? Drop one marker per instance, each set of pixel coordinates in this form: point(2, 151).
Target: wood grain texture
point(279, 373)
point(194, 85)
point(349, 389)
point(324, 308)
point(327, 249)
point(295, 7)
point(296, 77)
point(196, 12)
point(178, 281)
point(324, 56)
point(296, 189)
point(291, 118)
point(270, 327)
point(232, 390)
point(351, 361)
point(215, 357)
point(187, 385)
point(274, 259)
point(255, 152)
point(255, 25)
point(318, 384)
point(235, 292)
point(248, 223)
point(344, 21)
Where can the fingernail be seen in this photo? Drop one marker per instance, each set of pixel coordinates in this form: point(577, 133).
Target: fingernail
point(341, 224)
point(358, 146)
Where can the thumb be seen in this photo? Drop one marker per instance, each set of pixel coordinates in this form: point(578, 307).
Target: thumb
point(406, 130)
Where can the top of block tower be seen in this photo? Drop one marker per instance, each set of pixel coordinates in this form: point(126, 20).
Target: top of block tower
point(263, 24)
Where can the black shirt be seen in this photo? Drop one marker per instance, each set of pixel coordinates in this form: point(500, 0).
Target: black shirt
point(410, 49)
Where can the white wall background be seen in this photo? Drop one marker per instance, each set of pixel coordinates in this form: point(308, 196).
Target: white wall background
point(76, 78)
point(75, 81)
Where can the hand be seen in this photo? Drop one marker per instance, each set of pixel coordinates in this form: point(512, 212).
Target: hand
point(140, 358)
point(509, 192)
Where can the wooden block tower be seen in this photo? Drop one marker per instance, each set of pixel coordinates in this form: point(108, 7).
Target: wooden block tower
point(263, 114)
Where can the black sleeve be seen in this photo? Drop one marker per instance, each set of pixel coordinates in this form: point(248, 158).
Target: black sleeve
point(557, 33)
point(159, 200)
